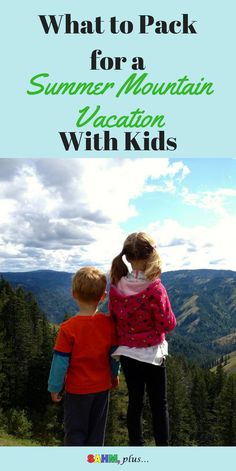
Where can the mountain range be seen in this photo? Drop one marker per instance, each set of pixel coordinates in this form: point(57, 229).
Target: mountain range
point(204, 302)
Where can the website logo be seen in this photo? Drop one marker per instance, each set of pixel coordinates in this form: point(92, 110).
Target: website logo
point(109, 458)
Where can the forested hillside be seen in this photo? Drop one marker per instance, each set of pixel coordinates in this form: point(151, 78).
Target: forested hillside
point(202, 403)
point(52, 289)
point(26, 342)
point(202, 408)
point(204, 302)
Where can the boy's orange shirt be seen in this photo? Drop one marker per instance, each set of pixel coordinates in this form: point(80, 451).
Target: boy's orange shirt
point(88, 340)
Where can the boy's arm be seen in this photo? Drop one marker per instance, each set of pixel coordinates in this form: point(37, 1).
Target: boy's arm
point(115, 364)
point(59, 366)
point(60, 363)
point(103, 307)
point(115, 369)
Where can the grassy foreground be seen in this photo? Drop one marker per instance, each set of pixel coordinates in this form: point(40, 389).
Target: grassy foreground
point(10, 440)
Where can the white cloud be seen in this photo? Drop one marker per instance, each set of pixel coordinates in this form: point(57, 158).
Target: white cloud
point(112, 186)
point(211, 200)
point(59, 213)
point(196, 247)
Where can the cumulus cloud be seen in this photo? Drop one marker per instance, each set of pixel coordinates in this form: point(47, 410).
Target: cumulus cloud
point(211, 200)
point(198, 246)
point(61, 213)
point(9, 168)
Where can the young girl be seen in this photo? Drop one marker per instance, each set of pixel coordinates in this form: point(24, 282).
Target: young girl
point(142, 312)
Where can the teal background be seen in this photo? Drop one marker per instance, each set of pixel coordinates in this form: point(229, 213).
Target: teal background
point(178, 459)
point(203, 125)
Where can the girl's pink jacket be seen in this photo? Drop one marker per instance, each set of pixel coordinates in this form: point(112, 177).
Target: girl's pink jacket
point(142, 319)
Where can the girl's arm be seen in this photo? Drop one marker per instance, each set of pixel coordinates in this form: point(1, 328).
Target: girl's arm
point(164, 315)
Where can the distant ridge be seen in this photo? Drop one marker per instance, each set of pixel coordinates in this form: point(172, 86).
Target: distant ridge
point(203, 300)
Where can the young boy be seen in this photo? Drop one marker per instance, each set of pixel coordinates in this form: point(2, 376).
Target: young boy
point(82, 360)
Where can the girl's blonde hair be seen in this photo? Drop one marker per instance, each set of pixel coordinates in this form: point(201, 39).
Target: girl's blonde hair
point(137, 246)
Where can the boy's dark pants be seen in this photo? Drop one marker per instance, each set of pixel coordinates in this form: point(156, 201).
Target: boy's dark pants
point(138, 375)
point(85, 418)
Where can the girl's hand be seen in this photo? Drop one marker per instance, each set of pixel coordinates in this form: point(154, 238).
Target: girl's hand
point(56, 397)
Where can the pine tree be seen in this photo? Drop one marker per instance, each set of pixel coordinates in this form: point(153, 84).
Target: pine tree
point(227, 412)
point(116, 430)
point(220, 378)
point(182, 419)
point(26, 341)
point(199, 401)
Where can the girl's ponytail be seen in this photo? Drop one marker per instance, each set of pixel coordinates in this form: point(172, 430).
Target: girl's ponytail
point(153, 266)
point(118, 268)
point(137, 246)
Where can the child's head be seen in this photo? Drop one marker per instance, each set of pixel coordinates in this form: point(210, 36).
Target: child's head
point(138, 246)
point(88, 285)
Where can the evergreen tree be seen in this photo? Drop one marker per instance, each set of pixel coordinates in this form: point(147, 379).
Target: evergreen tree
point(202, 404)
point(219, 379)
point(26, 341)
point(182, 419)
point(227, 412)
point(199, 401)
point(116, 431)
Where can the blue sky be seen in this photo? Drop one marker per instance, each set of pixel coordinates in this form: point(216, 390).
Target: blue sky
point(61, 214)
point(205, 175)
